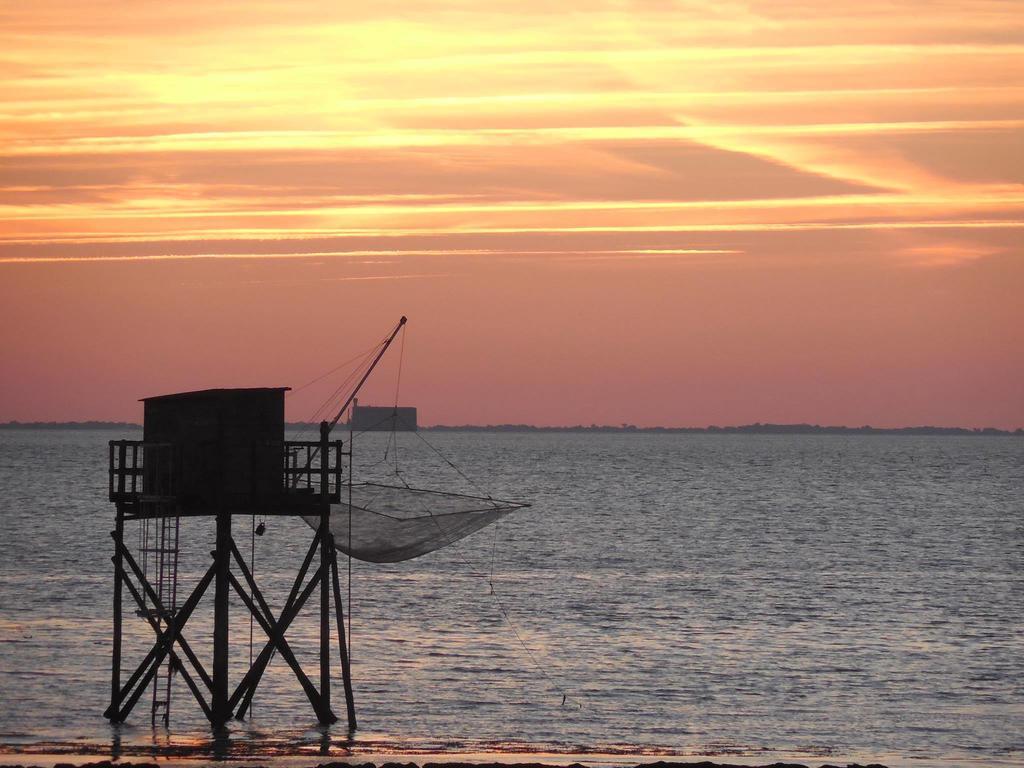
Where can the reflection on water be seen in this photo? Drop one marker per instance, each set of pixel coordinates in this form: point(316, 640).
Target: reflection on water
point(685, 594)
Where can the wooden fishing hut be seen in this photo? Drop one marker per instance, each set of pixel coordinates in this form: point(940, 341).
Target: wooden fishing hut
point(220, 453)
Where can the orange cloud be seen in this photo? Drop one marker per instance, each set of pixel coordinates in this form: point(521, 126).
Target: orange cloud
point(661, 163)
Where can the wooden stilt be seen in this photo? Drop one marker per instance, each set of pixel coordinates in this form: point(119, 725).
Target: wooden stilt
point(132, 690)
point(221, 632)
point(159, 607)
point(324, 536)
point(325, 612)
point(115, 652)
point(346, 672)
point(178, 665)
point(215, 454)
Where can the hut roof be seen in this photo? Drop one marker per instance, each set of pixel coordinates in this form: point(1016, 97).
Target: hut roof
point(212, 392)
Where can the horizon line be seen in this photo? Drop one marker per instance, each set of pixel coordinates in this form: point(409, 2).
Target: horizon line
point(755, 427)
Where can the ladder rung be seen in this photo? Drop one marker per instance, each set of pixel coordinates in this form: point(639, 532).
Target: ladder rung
point(160, 545)
point(154, 613)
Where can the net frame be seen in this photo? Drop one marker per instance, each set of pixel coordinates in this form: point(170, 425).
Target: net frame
point(393, 523)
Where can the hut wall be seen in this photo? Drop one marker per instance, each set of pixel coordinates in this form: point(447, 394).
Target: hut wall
point(228, 444)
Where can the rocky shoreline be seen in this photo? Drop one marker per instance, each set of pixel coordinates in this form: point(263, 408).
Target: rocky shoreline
point(456, 764)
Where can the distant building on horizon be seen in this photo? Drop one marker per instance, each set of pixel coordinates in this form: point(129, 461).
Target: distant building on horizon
point(378, 418)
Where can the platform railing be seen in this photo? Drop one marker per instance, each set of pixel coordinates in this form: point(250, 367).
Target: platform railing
point(142, 471)
point(310, 470)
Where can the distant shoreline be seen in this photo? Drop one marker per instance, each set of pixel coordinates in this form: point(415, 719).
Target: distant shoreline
point(27, 760)
point(746, 429)
point(442, 761)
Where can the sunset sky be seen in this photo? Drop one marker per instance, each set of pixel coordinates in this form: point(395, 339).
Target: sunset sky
point(682, 213)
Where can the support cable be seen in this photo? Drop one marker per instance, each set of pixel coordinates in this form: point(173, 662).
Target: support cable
point(339, 392)
point(351, 470)
point(494, 548)
point(392, 441)
point(489, 578)
point(252, 570)
point(337, 368)
point(541, 670)
point(451, 464)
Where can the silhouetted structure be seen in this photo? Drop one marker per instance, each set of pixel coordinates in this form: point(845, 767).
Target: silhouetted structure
point(376, 418)
point(220, 453)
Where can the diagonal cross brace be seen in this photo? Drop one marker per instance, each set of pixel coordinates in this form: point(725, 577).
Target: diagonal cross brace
point(268, 624)
point(159, 651)
point(179, 667)
point(252, 678)
point(185, 647)
point(112, 711)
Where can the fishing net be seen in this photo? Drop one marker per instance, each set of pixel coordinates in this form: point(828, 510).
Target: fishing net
point(388, 524)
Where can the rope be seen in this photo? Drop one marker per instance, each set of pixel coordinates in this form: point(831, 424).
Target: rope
point(252, 572)
point(489, 578)
point(373, 427)
point(338, 395)
point(392, 442)
point(566, 698)
point(351, 465)
point(327, 401)
point(552, 683)
point(398, 387)
point(473, 571)
point(494, 547)
point(333, 370)
point(451, 464)
point(401, 360)
point(341, 390)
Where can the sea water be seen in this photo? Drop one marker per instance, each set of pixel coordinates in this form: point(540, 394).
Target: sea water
point(681, 594)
